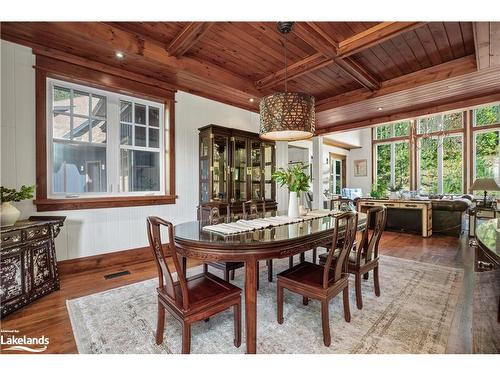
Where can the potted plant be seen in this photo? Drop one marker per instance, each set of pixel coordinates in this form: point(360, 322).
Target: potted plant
point(296, 180)
point(394, 190)
point(8, 213)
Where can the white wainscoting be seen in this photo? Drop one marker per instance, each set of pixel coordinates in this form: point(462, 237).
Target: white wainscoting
point(97, 231)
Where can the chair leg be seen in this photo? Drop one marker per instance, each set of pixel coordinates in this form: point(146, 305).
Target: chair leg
point(270, 270)
point(347, 310)
point(325, 322)
point(160, 326)
point(366, 276)
point(290, 262)
point(205, 268)
point(279, 295)
point(376, 281)
point(315, 254)
point(232, 274)
point(302, 257)
point(359, 297)
point(226, 275)
point(258, 274)
point(237, 324)
point(186, 338)
point(305, 301)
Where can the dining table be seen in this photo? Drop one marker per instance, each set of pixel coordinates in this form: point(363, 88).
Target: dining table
point(276, 242)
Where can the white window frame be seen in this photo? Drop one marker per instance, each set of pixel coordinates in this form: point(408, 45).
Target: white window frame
point(112, 145)
point(440, 154)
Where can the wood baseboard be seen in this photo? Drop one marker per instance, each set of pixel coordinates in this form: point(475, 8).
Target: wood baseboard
point(115, 259)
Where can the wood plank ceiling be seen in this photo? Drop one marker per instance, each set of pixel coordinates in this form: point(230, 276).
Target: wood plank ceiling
point(358, 71)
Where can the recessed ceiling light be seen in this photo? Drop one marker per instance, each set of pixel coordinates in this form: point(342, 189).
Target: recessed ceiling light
point(251, 100)
point(379, 108)
point(119, 55)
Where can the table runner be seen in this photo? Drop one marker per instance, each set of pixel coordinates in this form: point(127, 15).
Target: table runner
point(242, 226)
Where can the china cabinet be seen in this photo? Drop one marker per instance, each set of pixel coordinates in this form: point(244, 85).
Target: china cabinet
point(235, 166)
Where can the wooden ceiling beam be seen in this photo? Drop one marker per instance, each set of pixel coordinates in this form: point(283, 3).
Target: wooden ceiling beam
point(188, 36)
point(358, 73)
point(374, 35)
point(436, 73)
point(487, 44)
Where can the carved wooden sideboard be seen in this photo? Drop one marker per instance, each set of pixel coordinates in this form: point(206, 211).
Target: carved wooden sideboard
point(28, 265)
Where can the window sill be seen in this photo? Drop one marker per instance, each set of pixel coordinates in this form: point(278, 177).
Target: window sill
point(89, 203)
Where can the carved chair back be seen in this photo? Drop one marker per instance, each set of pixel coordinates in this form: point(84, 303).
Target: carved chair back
point(251, 208)
point(166, 281)
point(376, 218)
point(212, 213)
point(350, 222)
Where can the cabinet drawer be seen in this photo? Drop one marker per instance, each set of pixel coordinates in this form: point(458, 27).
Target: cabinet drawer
point(37, 232)
point(391, 204)
point(411, 205)
point(12, 237)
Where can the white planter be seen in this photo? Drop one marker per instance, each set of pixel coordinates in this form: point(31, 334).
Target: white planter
point(8, 214)
point(393, 195)
point(293, 205)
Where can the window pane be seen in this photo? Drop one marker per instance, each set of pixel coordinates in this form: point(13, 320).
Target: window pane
point(487, 155)
point(453, 121)
point(98, 106)
point(99, 131)
point(62, 101)
point(429, 124)
point(79, 168)
point(429, 165)
point(61, 126)
point(140, 136)
point(402, 128)
point(140, 114)
point(81, 102)
point(487, 115)
point(126, 134)
point(154, 116)
point(140, 171)
point(125, 111)
point(383, 167)
point(80, 129)
point(384, 131)
point(154, 138)
point(402, 165)
point(452, 165)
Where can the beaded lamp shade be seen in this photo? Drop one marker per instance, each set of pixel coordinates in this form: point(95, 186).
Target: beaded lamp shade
point(287, 116)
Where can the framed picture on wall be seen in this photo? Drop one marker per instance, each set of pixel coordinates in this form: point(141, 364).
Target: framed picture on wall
point(360, 168)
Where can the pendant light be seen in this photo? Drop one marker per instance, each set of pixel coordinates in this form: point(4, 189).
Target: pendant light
point(287, 116)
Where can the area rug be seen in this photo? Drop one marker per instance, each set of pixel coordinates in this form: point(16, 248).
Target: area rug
point(412, 315)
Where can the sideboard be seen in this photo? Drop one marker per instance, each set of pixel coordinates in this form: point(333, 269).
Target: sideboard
point(423, 207)
point(28, 265)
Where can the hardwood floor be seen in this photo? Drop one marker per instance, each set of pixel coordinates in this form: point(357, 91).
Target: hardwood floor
point(48, 316)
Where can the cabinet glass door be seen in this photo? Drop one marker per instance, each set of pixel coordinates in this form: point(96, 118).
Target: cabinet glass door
point(240, 169)
point(268, 151)
point(256, 159)
point(204, 169)
point(219, 168)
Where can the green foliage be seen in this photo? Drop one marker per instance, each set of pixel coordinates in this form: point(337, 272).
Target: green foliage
point(487, 115)
point(294, 178)
point(395, 188)
point(378, 192)
point(12, 195)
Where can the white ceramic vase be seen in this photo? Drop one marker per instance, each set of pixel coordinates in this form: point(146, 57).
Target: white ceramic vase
point(8, 214)
point(293, 205)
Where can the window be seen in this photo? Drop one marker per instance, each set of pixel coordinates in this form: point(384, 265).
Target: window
point(397, 129)
point(487, 154)
point(336, 176)
point(393, 165)
point(487, 115)
point(102, 143)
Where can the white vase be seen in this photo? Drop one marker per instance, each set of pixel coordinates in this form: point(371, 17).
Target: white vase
point(393, 195)
point(293, 205)
point(8, 214)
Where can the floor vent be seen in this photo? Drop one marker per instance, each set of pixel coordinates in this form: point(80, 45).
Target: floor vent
point(116, 274)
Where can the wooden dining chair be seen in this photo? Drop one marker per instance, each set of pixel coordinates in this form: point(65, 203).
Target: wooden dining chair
point(213, 216)
point(365, 259)
point(188, 299)
point(323, 282)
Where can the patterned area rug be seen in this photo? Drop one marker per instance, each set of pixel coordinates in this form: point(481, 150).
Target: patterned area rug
point(412, 315)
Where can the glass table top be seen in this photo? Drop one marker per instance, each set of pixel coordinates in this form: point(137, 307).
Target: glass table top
point(192, 231)
point(488, 235)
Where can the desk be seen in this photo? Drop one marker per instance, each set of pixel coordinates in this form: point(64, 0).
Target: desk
point(271, 243)
point(425, 206)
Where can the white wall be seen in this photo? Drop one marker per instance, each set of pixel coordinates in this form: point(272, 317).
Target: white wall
point(357, 154)
point(96, 231)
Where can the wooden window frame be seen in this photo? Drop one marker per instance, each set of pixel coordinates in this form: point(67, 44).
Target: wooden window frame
point(87, 75)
